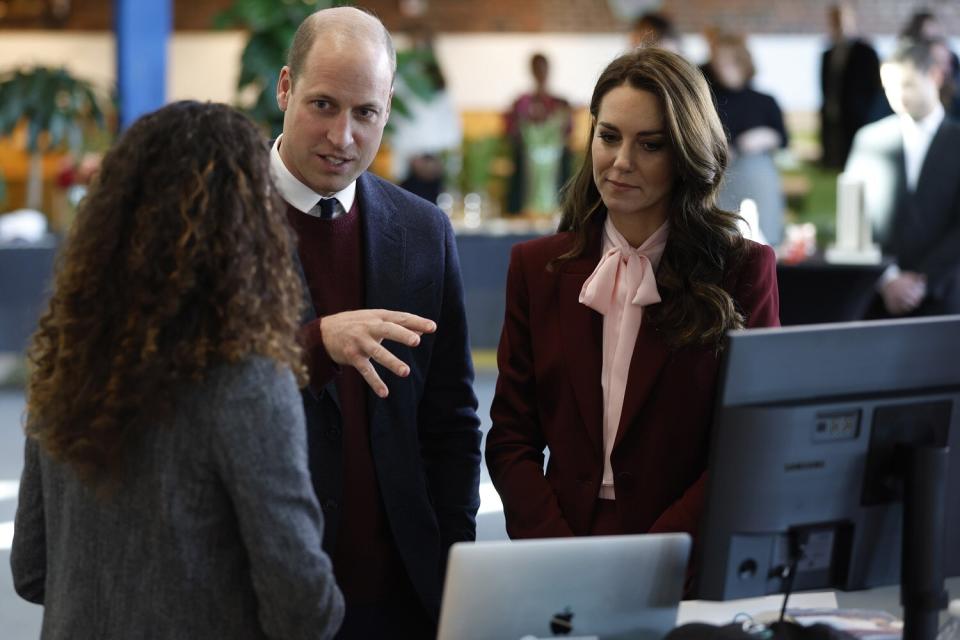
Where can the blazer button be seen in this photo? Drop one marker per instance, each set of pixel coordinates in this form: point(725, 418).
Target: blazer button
point(330, 505)
point(333, 433)
point(624, 481)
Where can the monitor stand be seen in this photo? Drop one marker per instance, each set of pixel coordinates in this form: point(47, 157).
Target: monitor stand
point(922, 591)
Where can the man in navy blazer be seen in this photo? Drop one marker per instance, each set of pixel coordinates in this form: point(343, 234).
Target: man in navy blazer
point(391, 414)
point(911, 171)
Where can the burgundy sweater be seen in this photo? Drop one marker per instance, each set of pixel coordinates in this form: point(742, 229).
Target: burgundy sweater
point(367, 565)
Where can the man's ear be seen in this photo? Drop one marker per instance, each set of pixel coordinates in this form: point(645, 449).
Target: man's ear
point(284, 88)
point(390, 101)
point(938, 75)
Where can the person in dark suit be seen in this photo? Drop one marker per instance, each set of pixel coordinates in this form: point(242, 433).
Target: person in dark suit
point(391, 413)
point(165, 489)
point(850, 82)
point(613, 327)
point(909, 164)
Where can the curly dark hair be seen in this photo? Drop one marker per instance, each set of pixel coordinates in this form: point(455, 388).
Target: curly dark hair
point(180, 259)
point(704, 240)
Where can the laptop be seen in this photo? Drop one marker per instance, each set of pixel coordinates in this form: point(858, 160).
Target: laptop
point(604, 587)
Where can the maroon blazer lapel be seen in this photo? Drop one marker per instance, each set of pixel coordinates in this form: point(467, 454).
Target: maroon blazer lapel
point(650, 354)
point(582, 331)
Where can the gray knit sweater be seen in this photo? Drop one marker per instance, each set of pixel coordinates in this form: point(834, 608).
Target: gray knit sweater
point(215, 531)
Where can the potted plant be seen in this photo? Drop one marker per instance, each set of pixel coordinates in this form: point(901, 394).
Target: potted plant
point(55, 108)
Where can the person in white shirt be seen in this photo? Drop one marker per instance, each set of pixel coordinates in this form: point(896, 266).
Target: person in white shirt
point(910, 165)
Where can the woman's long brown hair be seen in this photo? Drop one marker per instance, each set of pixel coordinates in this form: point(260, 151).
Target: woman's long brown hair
point(180, 259)
point(704, 240)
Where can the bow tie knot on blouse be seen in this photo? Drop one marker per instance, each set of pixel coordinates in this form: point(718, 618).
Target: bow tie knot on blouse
point(624, 272)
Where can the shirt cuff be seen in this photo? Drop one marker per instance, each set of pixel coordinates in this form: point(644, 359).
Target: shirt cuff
point(890, 273)
point(321, 366)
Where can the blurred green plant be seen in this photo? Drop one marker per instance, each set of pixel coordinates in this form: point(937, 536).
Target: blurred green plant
point(479, 157)
point(271, 25)
point(56, 108)
point(819, 203)
point(418, 76)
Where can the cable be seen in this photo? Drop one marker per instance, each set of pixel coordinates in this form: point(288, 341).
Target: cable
point(796, 552)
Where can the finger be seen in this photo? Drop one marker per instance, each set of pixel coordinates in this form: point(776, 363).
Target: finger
point(369, 374)
point(913, 301)
point(396, 333)
point(410, 321)
point(394, 364)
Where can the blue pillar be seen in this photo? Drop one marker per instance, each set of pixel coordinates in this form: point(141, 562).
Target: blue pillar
point(142, 30)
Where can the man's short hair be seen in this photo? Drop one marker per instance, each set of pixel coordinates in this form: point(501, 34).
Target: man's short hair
point(306, 35)
point(917, 52)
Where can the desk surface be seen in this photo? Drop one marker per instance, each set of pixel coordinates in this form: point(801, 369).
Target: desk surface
point(880, 598)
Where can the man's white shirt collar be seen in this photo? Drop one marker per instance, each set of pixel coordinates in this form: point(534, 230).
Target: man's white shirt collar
point(929, 123)
point(299, 195)
point(917, 136)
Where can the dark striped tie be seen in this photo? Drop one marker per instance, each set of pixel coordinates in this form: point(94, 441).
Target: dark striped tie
point(327, 208)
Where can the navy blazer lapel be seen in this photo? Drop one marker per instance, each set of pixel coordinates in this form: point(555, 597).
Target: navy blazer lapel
point(384, 262)
point(309, 314)
point(937, 182)
point(933, 160)
point(384, 259)
point(582, 331)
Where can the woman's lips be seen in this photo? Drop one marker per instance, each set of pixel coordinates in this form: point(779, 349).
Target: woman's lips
point(621, 185)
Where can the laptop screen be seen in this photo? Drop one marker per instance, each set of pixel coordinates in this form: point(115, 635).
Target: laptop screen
point(600, 586)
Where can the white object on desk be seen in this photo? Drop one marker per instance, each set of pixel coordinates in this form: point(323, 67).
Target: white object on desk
point(721, 613)
point(750, 222)
point(854, 242)
point(24, 225)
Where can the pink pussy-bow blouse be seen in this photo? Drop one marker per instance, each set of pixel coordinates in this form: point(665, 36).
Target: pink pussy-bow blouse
point(623, 283)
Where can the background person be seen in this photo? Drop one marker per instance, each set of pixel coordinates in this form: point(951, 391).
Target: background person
point(755, 130)
point(538, 125)
point(653, 29)
point(165, 488)
point(426, 141)
point(396, 469)
point(850, 82)
point(911, 169)
point(609, 350)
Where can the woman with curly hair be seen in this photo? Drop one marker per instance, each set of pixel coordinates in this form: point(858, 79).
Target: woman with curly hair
point(165, 489)
point(610, 344)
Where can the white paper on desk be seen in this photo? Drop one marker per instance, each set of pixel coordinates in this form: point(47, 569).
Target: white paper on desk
point(723, 612)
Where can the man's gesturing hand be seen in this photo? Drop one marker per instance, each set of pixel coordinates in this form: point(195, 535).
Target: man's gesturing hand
point(355, 338)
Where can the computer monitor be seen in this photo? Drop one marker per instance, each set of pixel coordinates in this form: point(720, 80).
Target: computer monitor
point(808, 447)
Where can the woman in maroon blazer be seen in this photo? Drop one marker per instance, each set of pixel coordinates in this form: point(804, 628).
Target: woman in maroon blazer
point(614, 325)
